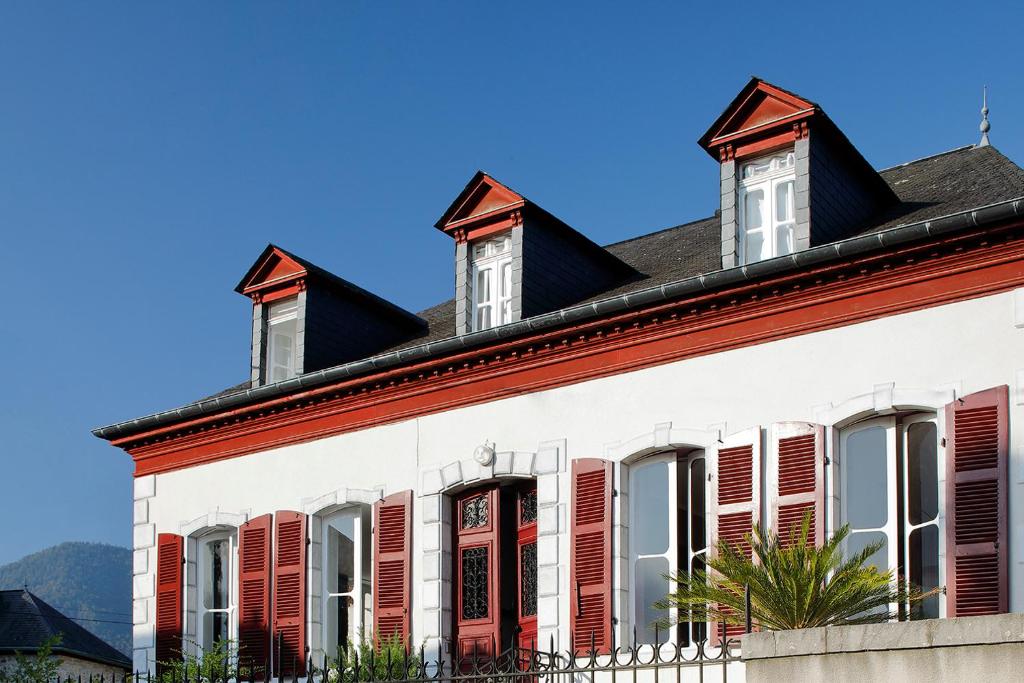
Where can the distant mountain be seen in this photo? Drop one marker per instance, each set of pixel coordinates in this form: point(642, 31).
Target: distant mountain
point(90, 583)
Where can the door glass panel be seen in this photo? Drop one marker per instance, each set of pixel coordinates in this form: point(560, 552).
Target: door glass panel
point(341, 555)
point(698, 528)
point(866, 478)
point(698, 628)
point(924, 568)
point(651, 586)
point(649, 529)
point(528, 580)
point(856, 542)
point(474, 512)
point(528, 507)
point(922, 472)
point(475, 597)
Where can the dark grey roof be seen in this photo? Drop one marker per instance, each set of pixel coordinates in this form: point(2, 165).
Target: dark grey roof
point(26, 622)
point(685, 256)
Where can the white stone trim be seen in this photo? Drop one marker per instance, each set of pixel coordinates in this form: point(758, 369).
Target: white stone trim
point(547, 465)
point(1020, 387)
point(662, 436)
point(319, 505)
point(885, 399)
point(215, 519)
point(145, 487)
point(1018, 308)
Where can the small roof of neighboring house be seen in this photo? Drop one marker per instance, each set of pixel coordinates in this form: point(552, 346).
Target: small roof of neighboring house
point(26, 622)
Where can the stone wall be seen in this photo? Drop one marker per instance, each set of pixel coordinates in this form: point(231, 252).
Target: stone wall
point(986, 649)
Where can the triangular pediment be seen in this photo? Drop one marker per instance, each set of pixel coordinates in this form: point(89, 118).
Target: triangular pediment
point(274, 266)
point(482, 196)
point(759, 104)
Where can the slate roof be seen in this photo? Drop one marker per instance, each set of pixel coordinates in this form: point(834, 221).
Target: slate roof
point(957, 180)
point(26, 622)
point(960, 179)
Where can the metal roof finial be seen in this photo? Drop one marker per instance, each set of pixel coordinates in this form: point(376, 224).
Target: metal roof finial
point(985, 125)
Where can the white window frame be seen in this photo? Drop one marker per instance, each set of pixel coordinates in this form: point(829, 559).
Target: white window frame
point(362, 542)
point(767, 181)
point(674, 460)
point(278, 312)
point(898, 544)
point(232, 585)
point(492, 257)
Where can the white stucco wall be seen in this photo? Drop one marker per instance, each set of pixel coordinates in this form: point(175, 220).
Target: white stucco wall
point(962, 347)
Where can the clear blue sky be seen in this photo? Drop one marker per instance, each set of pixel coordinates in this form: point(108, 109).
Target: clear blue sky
point(148, 152)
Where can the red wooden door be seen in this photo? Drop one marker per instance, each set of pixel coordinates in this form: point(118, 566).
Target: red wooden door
point(526, 564)
point(477, 588)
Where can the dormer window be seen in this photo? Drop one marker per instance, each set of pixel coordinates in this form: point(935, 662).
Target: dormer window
point(492, 282)
point(282, 332)
point(767, 215)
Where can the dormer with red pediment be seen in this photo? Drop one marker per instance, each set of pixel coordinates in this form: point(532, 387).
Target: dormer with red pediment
point(306, 318)
point(790, 179)
point(514, 260)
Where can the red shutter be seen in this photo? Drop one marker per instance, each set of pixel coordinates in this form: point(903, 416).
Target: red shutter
point(169, 563)
point(590, 555)
point(254, 591)
point(977, 552)
point(796, 477)
point(289, 633)
point(392, 557)
point(735, 500)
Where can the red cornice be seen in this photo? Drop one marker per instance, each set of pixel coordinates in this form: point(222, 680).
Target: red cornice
point(838, 294)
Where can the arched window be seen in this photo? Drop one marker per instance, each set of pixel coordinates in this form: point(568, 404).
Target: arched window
point(215, 588)
point(346, 576)
point(667, 532)
point(889, 492)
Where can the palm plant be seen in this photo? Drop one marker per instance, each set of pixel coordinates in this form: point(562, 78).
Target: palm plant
point(792, 584)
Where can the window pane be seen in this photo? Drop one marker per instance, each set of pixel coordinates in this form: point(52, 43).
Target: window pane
point(866, 479)
point(856, 542)
point(282, 309)
point(483, 317)
point(924, 568)
point(506, 279)
point(698, 629)
point(784, 202)
point(216, 575)
point(922, 473)
point(753, 203)
point(649, 491)
point(754, 247)
point(698, 525)
point(483, 285)
point(341, 544)
point(215, 628)
point(784, 239)
point(651, 586)
point(281, 350)
point(338, 627)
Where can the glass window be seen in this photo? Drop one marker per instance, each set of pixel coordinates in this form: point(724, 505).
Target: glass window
point(282, 331)
point(215, 587)
point(346, 578)
point(492, 282)
point(889, 493)
point(667, 533)
point(767, 207)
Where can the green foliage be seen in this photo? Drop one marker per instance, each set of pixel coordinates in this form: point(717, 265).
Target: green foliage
point(43, 667)
point(218, 663)
point(85, 581)
point(792, 584)
point(362, 661)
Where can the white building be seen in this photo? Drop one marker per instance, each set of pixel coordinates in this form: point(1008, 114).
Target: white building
point(527, 460)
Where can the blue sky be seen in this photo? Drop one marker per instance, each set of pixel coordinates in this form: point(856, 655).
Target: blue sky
point(148, 152)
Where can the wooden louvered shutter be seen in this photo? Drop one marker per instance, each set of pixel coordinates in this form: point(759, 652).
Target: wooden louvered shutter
point(796, 477)
point(254, 591)
point(977, 553)
point(590, 555)
point(289, 626)
point(392, 575)
point(169, 563)
point(735, 471)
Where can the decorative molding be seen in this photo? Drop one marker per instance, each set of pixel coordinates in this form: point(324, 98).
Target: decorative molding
point(660, 438)
point(215, 519)
point(340, 498)
point(884, 399)
point(905, 279)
